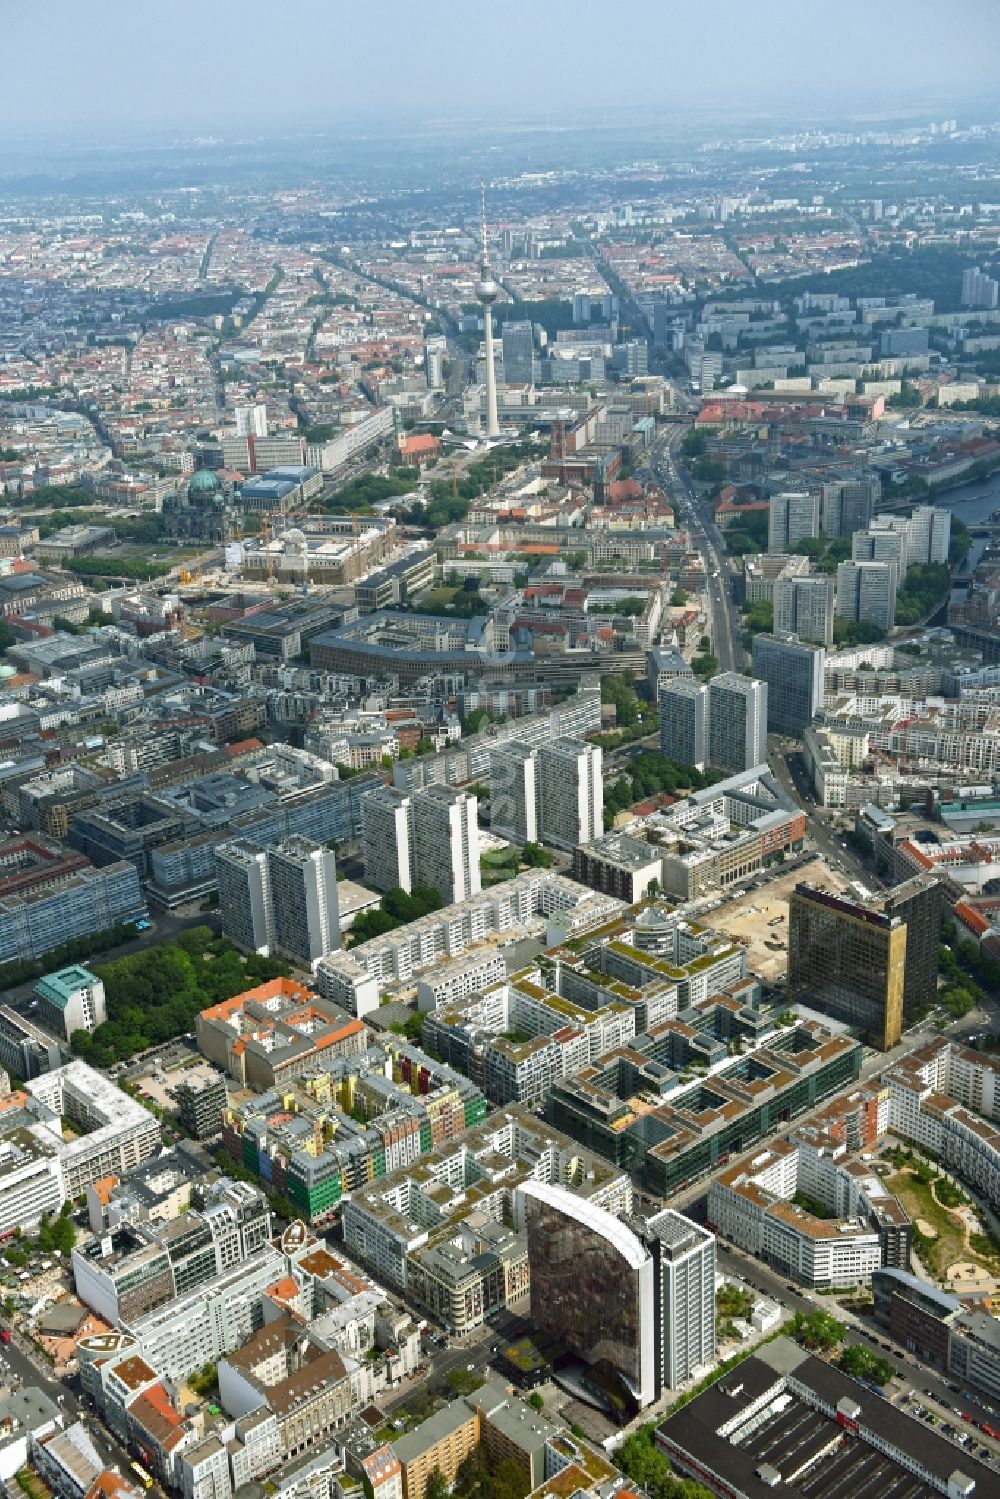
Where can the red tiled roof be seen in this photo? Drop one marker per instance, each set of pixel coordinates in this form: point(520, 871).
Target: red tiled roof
point(421, 442)
point(244, 747)
point(273, 989)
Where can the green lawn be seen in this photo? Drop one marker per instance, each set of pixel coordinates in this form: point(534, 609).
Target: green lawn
point(919, 1201)
point(937, 1254)
point(435, 599)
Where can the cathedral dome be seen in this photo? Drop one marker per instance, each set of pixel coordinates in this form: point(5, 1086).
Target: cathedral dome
point(203, 483)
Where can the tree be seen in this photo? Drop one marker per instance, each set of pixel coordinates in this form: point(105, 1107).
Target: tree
point(620, 691)
point(155, 995)
point(473, 1476)
point(817, 1330)
point(437, 1485)
point(509, 1481)
point(678, 598)
point(960, 540)
point(648, 774)
point(398, 907)
point(56, 1234)
point(476, 1479)
point(926, 585)
point(476, 719)
point(708, 470)
point(206, 1381)
point(537, 857)
point(862, 1363)
point(856, 632)
point(905, 398)
point(759, 617)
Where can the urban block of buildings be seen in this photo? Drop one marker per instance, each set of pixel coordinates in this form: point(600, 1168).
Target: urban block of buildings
point(720, 836)
point(437, 1230)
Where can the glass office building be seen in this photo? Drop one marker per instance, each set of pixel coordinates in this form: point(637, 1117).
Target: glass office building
point(591, 1286)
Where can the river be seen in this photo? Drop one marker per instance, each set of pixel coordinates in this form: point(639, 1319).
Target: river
point(970, 502)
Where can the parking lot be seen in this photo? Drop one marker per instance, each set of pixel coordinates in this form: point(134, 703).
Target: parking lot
point(158, 1082)
point(950, 1422)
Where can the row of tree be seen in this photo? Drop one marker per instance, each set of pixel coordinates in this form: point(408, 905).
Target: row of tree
point(649, 1469)
point(363, 493)
point(122, 566)
point(649, 774)
point(26, 970)
point(926, 585)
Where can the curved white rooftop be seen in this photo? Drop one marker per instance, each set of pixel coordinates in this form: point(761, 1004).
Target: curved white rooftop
point(599, 1219)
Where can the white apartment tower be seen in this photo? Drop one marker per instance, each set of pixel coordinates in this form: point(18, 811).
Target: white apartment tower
point(683, 1295)
point(684, 721)
point(804, 607)
point(387, 839)
point(791, 518)
point(280, 899)
point(866, 591)
point(882, 543)
point(435, 354)
point(570, 793)
point(737, 722)
point(306, 914)
point(979, 290)
point(928, 534)
point(245, 896)
point(446, 842)
point(251, 421)
point(514, 792)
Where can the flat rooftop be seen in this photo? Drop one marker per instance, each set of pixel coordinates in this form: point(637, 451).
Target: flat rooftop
point(764, 1431)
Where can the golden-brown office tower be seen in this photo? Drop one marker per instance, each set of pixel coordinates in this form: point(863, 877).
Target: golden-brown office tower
point(848, 959)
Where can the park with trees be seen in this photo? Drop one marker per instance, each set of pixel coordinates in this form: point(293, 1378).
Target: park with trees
point(155, 995)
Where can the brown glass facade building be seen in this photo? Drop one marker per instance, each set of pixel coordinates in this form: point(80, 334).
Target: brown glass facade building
point(591, 1287)
point(848, 959)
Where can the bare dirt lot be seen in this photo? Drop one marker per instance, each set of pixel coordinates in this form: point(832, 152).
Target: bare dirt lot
point(751, 916)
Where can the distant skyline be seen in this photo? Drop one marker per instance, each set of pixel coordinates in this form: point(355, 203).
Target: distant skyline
point(119, 70)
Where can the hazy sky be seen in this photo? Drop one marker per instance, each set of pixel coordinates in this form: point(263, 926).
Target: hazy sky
point(80, 69)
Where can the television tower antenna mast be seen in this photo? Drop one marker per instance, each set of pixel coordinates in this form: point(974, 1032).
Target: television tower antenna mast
point(487, 292)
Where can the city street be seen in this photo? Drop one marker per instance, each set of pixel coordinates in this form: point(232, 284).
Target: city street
point(29, 1368)
point(785, 760)
point(476, 1350)
point(696, 514)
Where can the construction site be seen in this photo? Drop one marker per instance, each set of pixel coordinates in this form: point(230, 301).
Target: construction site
point(759, 919)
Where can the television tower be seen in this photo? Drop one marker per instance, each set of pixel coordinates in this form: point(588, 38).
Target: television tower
point(487, 292)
